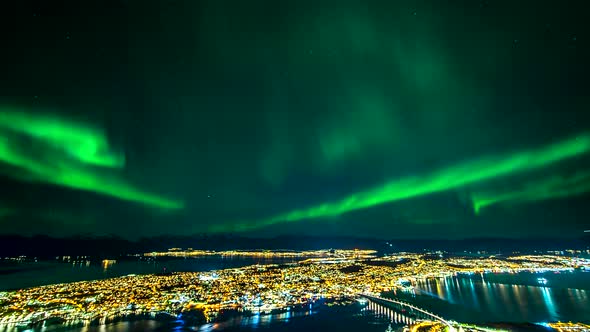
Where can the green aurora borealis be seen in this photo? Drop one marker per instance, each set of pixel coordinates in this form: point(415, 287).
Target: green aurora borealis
point(387, 119)
point(84, 144)
point(459, 175)
point(70, 151)
point(553, 187)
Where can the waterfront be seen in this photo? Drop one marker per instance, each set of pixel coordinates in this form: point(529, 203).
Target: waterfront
point(505, 297)
point(320, 318)
point(484, 299)
point(30, 274)
point(453, 288)
point(22, 272)
point(341, 318)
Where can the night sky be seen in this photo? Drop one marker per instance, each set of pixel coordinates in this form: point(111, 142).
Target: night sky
point(407, 119)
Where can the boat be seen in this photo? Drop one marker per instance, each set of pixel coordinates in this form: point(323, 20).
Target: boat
point(542, 281)
point(389, 329)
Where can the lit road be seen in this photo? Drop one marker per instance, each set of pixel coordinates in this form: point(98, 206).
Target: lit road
point(428, 314)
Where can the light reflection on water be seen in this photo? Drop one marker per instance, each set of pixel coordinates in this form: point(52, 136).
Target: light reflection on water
point(390, 314)
point(476, 298)
point(253, 321)
point(30, 274)
point(341, 318)
point(496, 300)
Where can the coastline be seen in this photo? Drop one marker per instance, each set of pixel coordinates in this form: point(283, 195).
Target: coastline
point(193, 318)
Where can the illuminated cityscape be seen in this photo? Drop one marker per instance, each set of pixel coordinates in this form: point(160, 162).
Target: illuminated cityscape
point(289, 165)
point(335, 254)
point(332, 276)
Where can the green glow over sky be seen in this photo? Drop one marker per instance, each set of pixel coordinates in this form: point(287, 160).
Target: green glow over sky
point(365, 123)
point(4, 211)
point(384, 119)
point(448, 178)
point(548, 188)
point(84, 143)
point(71, 156)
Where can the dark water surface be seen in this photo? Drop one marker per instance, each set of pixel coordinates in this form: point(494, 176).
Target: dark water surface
point(478, 298)
point(29, 274)
point(346, 318)
point(506, 297)
point(340, 318)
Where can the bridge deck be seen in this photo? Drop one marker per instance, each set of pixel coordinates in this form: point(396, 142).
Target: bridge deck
point(411, 306)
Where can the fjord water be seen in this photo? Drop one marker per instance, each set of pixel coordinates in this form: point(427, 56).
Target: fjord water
point(31, 274)
point(345, 318)
point(504, 297)
point(477, 298)
point(342, 318)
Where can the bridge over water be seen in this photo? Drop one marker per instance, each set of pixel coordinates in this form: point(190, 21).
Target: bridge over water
point(412, 314)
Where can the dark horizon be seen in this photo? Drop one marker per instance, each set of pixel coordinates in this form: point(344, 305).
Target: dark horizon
point(114, 246)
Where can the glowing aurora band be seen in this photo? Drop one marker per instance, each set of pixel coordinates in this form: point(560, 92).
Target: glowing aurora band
point(549, 188)
point(85, 144)
point(73, 156)
point(448, 178)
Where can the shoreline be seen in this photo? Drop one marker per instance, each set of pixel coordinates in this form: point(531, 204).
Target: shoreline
point(270, 288)
point(59, 324)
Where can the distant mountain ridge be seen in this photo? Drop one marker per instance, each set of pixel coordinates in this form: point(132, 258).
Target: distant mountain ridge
point(108, 246)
